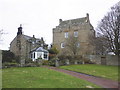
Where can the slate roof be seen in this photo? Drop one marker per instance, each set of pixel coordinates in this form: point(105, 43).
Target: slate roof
point(27, 37)
point(39, 49)
point(73, 21)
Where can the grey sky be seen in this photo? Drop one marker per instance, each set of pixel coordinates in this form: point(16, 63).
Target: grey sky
point(38, 17)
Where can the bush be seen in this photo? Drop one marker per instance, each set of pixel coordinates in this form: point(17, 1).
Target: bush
point(33, 64)
point(28, 60)
point(62, 57)
point(52, 61)
point(45, 62)
point(30, 65)
point(7, 56)
point(7, 64)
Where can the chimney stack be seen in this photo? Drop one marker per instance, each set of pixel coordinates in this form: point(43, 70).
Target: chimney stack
point(60, 20)
point(33, 36)
point(19, 30)
point(87, 15)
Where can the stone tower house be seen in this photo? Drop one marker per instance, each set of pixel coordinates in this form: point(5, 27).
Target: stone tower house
point(22, 45)
point(80, 28)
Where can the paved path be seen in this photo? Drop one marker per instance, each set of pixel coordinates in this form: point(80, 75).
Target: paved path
point(103, 82)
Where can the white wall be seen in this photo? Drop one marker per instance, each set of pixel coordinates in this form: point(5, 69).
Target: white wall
point(38, 54)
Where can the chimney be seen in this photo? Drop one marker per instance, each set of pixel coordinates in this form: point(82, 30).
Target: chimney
point(60, 20)
point(87, 15)
point(33, 36)
point(19, 30)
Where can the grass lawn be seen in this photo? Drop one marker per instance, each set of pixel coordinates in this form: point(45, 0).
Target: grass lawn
point(110, 72)
point(38, 77)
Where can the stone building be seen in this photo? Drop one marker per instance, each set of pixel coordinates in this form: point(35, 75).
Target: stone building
point(80, 28)
point(23, 46)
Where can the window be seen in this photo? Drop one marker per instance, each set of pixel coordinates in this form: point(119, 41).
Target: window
point(66, 34)
point(34, 55)
point(45, 55)
point(31, 55)
point(78, 44)
point(39, 55)
point(33, 43)
point(76, 34)
point(62, 45)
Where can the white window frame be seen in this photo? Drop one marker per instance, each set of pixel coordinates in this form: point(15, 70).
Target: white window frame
point(62, 45)
point(75, 33)
point(66, 34)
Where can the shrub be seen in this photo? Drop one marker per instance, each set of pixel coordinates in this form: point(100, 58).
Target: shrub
point(53, 52)
point(52, 61)
point(33, 64)
point(28, 60)
point(45, 62)
point(7, 64)
point(7, 56)
point(62, 57)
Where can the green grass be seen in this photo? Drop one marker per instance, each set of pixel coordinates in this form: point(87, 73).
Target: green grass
point(38, 77)
point(110, 72)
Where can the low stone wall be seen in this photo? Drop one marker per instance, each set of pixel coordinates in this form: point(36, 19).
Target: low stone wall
point(104, 59)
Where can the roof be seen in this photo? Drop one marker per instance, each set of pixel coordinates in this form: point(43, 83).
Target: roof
point(73, 21)
point(39, 49)
point(30, 39)
point(27, 37)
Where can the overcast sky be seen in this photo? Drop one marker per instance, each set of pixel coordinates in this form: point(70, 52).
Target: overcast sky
point(39, 17)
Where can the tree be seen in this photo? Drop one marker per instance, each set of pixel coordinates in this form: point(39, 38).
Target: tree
point(100, 44)
point(53, 52)
point(73, 45)
point(109, 29)
point(7, 56)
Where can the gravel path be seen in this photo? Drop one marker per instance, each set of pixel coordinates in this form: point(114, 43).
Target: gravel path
point(103, 82)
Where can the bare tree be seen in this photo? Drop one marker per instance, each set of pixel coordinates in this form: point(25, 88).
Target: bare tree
point(109, 27)
point(100, 44)
point(73, 45)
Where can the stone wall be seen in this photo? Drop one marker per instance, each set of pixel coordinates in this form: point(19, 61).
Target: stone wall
point(104, 59)
point(95, 59)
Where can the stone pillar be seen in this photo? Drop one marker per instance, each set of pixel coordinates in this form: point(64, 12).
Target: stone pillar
point(40, 62)
point(60, 20)
point(67, 62)
point(22, 62)
point(76, 62)
point(56, 63)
